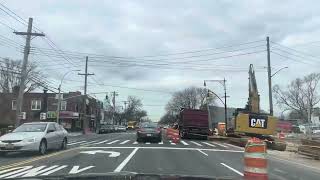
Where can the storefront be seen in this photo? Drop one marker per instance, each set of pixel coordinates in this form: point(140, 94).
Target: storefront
point(68, 119)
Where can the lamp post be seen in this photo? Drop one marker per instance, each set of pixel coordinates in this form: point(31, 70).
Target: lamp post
point(223, 83)
point(279, 71)
point(59, 94)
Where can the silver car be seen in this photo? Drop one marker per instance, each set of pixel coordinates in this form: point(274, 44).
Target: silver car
point(36, 136)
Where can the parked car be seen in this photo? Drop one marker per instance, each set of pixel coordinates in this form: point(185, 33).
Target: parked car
point(148, 131)
point(116, 128)
point(36, 136)
point(122, 128)
point(106, 128)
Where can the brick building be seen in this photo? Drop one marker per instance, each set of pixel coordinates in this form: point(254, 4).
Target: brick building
point(71, 114)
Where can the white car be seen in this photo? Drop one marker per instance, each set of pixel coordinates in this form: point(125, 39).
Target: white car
point(36, 136)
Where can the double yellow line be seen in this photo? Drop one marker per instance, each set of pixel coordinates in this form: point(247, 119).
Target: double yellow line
point(35, 159)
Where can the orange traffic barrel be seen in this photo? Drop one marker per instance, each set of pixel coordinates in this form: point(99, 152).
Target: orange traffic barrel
point(281, 136)
point(175, 136)
point(255, 160)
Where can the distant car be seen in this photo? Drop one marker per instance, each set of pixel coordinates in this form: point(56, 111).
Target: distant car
point(122, 128)
point(36, 136)
point(107, 128)
point(148, 131)
point(116, 128)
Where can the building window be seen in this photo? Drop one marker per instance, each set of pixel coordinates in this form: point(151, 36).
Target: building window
point(35, 104)
point(63, 106)
point(14, 105)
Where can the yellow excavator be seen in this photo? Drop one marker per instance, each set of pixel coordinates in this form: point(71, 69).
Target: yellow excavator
point(252, 122)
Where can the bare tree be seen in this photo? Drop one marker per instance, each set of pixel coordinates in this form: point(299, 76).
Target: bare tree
point(300, 96)
point(192, 97)
point(10, 76)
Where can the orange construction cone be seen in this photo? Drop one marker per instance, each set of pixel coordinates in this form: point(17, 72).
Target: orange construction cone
point(255, 160)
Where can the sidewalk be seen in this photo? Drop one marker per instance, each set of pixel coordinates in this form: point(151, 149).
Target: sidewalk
point(295, 158)
point(73, 134)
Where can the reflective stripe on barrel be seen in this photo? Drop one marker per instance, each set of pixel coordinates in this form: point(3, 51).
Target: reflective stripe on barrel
point(255, 160)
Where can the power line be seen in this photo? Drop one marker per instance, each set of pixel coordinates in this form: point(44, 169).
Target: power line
point(124, 87)
point(290, 58)
point(169, 54)
point(97, 58)
point(301, 52)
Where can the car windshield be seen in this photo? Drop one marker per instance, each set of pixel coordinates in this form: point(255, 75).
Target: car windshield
point(148, 125)
point(31, 128)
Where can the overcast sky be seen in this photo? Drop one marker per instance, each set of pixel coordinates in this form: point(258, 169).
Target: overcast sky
point(141, 31)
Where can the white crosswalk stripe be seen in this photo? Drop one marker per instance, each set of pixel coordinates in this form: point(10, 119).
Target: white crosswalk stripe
point(184, 143)
point(209, 144)
point(196, 143)
point(218, 144)
point(173, 143)
point(160, 142)
point(231, 145)
point(124, 142)
point(113, 141)
point(147, 143)
point(101, 142)
point(73, 143)
point(135, 142)
point(87, 143)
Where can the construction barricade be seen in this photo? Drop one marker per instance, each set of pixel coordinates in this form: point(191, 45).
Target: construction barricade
point(173, 134)
point(255, 160)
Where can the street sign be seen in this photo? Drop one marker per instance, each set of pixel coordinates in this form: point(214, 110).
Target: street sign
point(112, 153)
point(23, 115)
point(43, 116)
point(51, 114)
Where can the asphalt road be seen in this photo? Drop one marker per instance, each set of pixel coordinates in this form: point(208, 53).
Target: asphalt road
point(119, 152)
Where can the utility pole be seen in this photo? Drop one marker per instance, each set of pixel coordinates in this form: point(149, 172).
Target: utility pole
point(85, 74)
point(26, 52)
point(125, 104)
point(269, 77)
point(114, 94)
point(225, 104)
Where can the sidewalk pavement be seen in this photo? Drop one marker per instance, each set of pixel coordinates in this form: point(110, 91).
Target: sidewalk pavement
point(294, 158)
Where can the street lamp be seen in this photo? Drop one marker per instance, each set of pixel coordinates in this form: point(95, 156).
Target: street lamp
point(278, 71)
point(59, 94)
point(223, 83)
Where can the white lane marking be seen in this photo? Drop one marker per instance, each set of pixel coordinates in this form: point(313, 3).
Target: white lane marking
point(209, 144)
point(234, 146)
point(101, 142)
point(147, 143)
point(87, 143)
point(125, 161)
point(124, 141)
point(18, 170)
point(184, 143)
point(166, 148)
point(234, 170)
point(76, 143)
point(202, 152)
point(33, 172)
point(113, 141)
point(173, 143)
point(160, 142)
point(135, 142)
point(218, 144)
point(196, 143)
point(54, 170)
point(76, 170)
